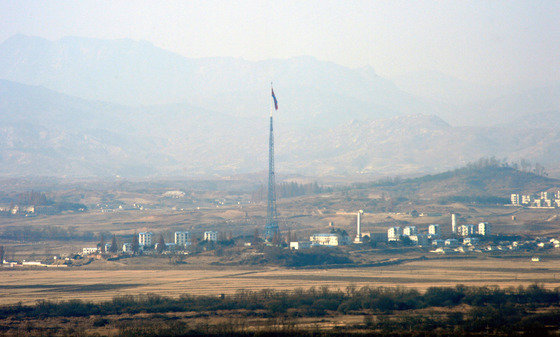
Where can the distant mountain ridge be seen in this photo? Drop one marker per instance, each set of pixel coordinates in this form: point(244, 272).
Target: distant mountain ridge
point(88, 107)
point(137, 73)
point(43, 132)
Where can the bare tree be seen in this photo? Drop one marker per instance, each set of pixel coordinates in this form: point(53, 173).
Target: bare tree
point(114, 245)
point(160, 244)
point(102, 244)
point(135, 244)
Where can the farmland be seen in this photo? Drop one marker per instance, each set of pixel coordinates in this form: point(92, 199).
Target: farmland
point(106, 282)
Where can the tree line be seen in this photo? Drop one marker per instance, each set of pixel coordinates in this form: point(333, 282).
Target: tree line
point(288, 190)
point(33, 234)
point(386, 311)
point(310, 302)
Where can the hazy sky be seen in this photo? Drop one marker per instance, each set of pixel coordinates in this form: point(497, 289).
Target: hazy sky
point(487, 42)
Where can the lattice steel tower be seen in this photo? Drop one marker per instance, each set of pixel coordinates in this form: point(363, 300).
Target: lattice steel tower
point(271, 227)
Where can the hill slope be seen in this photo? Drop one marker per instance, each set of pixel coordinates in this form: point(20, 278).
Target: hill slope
point(43, 132)
point(486, 177)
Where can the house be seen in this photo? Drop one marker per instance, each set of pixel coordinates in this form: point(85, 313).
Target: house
point(127, 248)
point(409, 230)
point(211, 236)
point(297, 245)
point(394, 234)
point(470, 241)
point(326, 239)
point(438, 243)
point(89, 250)
point(451, 242)
point(419, 239)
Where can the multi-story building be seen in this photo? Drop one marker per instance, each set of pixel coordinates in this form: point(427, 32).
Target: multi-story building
point(127, 248)
point(515, 201)
point(484, 228)
point(328, 239)
point(211, 236)
point(145, 239)
point(465, 230)
point(434, 229)
point(410, 230)
point(394, 234)
point(182, 238)
point(545, 196)
point(526, 199)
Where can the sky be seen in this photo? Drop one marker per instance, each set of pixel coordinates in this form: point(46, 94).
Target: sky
point(482, 42)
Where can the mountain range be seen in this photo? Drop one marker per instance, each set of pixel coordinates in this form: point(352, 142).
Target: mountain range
point(87, 107)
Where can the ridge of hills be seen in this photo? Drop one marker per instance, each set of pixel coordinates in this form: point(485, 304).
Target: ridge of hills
point(485, 180)
point(44, 132)
point(88, 107)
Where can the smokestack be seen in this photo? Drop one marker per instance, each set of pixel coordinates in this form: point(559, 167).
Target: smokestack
point(454, 223)
point(358, 238)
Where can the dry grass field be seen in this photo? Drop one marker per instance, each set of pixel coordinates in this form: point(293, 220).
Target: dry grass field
point(31, 285)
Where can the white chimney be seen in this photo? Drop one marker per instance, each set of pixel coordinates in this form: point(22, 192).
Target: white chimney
point(358, 238)
point(454, 223)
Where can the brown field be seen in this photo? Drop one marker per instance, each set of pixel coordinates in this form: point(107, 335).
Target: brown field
point(31, 285)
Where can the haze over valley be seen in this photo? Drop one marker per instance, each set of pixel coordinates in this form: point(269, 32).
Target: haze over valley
point(90, 107)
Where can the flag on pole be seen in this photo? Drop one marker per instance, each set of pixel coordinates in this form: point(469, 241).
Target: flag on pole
point(275, 101)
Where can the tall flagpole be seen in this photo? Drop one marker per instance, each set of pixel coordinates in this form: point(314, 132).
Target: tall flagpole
point(271, 227)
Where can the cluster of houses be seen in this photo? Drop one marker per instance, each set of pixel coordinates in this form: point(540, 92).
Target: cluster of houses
point(466, 232)
point(182, 239)
point(543, 200)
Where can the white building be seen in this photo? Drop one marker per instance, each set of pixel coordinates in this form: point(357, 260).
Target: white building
point(438, 243)
point(145, 239)
point(434, 229)
point(394, 234)
point(484, 228)
point(297, 245)
point(127, 248)
point(545, 195)
point(182, 238)
point(515, 201)
point(465, 230)
point(470, 241)
point(211, 236)
point(419, 239)
point(89, 250)
point(330, 239)
point(525, 199)
point(410, 230)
